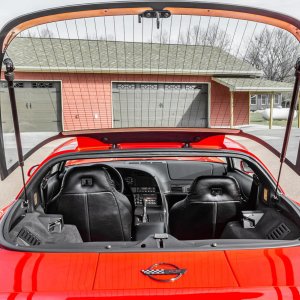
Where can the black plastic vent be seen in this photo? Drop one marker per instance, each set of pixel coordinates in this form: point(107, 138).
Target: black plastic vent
point(27, 237)
point(176, 189)
point(279, 233)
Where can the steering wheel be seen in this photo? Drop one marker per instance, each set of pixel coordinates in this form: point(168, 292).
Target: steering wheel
point(115, 177)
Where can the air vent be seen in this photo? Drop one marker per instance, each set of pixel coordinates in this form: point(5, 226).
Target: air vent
point(16, 85)
point(28, 238)
point(42, 85)
point(176, 189)
point(279, 233)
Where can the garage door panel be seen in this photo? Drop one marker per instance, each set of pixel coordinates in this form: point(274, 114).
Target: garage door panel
point(160, 104)
point(39, 113)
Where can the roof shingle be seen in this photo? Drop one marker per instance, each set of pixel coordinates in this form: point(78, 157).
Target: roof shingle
point(69, 55)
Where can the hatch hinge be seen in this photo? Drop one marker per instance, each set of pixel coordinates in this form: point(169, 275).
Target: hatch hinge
point(158, 14)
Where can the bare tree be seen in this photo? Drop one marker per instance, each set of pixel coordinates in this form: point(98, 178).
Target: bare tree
point(46, 33)
point(27, 33)
point(43, 33)
point(275, 53)
point(210, 36)
point(163, 37)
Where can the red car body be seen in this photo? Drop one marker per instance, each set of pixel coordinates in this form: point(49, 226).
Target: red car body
point(221, 274)
point(211, 273)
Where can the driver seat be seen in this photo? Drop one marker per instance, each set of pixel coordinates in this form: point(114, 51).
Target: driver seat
point(89, 200)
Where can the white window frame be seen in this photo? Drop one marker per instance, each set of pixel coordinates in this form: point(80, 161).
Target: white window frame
point(263, 100)
point(253, 98)
point(277, 99)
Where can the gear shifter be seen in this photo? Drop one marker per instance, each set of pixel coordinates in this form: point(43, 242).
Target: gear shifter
point(144, 211)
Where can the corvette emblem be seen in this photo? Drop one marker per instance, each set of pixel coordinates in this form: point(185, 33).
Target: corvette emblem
point(164, 272)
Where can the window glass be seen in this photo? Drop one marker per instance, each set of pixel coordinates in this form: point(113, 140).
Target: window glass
point(277, 99)
point(242, 166)
point(253, 100)
point(39, 114)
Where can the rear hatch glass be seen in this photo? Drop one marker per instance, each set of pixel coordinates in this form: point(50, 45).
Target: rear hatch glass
point(122, 70)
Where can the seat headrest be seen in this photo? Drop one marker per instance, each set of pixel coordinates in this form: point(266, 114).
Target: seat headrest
point(87, 179)
point(214, 188)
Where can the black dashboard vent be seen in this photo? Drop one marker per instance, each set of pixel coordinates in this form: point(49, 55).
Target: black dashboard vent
point(28, 238)
point(279, 233)
point(176, 189)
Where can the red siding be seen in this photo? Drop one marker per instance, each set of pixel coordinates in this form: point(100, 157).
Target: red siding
point(241, 108)
point(86, 98)
point(220, 105)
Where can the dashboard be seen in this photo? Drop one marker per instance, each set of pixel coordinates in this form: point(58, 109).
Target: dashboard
point(142, 186)
point(157, 181)
point(147, 181)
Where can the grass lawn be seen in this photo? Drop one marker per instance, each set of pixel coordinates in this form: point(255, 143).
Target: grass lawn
point(256, 118)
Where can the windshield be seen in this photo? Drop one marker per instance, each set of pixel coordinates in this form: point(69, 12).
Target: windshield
point(137, 70)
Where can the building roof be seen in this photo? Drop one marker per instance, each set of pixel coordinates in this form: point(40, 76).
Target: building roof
point(91, 56)
point(254, 85)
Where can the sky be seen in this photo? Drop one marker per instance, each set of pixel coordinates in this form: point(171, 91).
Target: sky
point(14, 8)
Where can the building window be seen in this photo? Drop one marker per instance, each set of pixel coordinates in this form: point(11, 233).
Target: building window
point(277, 99)
point(253, 100)
point(264, 99)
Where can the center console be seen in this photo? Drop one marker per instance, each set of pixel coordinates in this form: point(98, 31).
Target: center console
point(149, 212)
point(148, 220)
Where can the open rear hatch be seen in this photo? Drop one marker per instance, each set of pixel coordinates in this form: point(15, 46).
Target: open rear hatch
point(92, 69)
point(133, 73)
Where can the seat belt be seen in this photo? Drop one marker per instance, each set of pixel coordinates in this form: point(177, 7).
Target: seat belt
point(43, 189)
point(254, 192)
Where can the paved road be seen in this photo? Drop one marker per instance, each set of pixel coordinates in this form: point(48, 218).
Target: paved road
point(13, 183)
point(275, 137)
point(29, 140)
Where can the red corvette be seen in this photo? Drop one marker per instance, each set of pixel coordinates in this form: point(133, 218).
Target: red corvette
point(151, 195)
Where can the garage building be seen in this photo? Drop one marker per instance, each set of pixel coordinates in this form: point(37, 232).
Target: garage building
point(109, 84)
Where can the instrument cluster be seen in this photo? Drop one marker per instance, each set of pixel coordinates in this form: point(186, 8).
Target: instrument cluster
point(144, 189)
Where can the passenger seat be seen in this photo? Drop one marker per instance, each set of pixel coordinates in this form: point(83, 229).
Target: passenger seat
point(212, 202)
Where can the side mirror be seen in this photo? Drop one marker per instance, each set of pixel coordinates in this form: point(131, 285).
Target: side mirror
point(31, 170)
point(245, 168)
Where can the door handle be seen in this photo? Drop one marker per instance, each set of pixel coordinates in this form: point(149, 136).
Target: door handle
point(27, 105)
point(30, 105)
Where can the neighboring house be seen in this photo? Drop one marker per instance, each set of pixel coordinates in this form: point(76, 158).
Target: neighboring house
point(106, 76)
point(263, 101)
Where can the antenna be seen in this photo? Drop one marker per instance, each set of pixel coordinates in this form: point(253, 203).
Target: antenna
point(289, 123)
point(10, 76)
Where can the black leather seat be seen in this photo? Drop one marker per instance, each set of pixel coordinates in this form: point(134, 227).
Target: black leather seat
point(212, 202)
point(89, 200)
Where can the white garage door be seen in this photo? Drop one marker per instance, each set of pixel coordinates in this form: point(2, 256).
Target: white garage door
point(159, 104)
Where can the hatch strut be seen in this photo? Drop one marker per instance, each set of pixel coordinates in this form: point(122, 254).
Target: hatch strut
point(9, 76)
point(289, 123)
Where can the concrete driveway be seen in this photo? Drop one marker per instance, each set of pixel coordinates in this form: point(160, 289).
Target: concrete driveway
point(275, 136)
point(13, 183)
